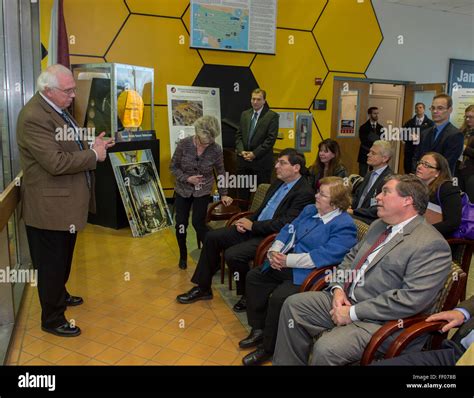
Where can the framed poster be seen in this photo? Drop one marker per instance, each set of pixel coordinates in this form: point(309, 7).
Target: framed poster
point(348, 106)
point(304, 124)
point(461, 88)
point(141, 191)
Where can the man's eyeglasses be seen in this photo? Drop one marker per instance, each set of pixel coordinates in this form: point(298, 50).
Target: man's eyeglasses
point(68, 91)
point(426, 164)
point(282, 162)
point(468, 117)
point(438, 108)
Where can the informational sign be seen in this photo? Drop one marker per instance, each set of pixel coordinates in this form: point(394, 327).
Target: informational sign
point(462, 98)
point(243, 25)
point(286, 120)
point(347, 128)
point(304, 124)
point(186, 104)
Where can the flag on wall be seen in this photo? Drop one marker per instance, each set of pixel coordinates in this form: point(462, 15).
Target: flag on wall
point(58, 40)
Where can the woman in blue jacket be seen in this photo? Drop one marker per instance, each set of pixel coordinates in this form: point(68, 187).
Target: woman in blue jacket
point(321, 235)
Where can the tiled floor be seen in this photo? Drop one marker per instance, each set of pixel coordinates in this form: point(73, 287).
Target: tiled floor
point(130, 316)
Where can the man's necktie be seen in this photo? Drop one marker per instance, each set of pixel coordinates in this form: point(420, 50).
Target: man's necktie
point(361, 262)
point(72, 125)
point(435, 134)
point(372, 179)
point(253, 123)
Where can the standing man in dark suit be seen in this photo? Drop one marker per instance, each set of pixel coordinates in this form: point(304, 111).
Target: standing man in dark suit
point(443, 137)
point(57, 190)
point(419, 121)
point(284, 200)
point(364, 204)
point(254, 141)
point(369, 132)
point(462, 316)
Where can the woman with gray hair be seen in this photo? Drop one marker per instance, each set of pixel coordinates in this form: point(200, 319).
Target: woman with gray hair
point(193, 163)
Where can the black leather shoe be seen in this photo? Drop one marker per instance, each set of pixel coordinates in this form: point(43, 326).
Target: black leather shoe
point(65, 330)
point(182, 264)
point(241, 305)
point(195, 294)
point(71, 301)
point(253, 339)
point(256, 357)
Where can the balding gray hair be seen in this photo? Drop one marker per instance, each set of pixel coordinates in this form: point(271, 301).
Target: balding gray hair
point(49, 77)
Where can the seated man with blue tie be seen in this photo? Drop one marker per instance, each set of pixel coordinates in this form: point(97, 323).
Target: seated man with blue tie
point(443, 137)
point(452, 350)
point(284, 200)
point(395, 272)
point(364, 205)
point(321, 235)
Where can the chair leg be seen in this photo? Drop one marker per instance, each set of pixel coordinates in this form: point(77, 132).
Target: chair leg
point(230, 278)
point(222, 267)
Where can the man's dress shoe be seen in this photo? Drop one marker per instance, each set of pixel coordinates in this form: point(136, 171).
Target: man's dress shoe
point(241, 305)
point(65, 330)
point(256, 357)
point(182, 264)
point(71, 301)
point(253, 339)
point(195, 294)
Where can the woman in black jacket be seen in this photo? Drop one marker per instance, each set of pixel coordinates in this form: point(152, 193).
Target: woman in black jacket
point(465, 171)
point(433, 170)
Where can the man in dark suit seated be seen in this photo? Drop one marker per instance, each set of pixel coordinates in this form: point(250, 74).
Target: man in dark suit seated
point(417, 123)
point(284, 200)
point(463, 316)
point(369, 132)
point(443, 137)
point(364, 204)
point(393, 273)
point(254, 141)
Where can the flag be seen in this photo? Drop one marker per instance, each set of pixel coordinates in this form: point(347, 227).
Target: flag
point(58, 40)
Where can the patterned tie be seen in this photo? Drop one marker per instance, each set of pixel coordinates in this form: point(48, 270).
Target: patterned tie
point(253, 123)
point(72, 125)
point(372, 248)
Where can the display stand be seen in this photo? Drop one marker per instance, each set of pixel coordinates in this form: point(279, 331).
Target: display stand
point(109, 207)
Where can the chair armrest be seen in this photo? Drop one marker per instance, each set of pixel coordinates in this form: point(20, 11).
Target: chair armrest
point(319, 285)
point(237, 204)
point(410, 334)
point(234, 218)
point(384, 332)
point(262, 249)
point(314, 276)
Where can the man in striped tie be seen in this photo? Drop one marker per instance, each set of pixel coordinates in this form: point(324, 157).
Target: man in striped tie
point(57, 190)
point(395, 272)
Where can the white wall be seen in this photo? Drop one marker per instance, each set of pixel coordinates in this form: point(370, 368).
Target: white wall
point(430, 39)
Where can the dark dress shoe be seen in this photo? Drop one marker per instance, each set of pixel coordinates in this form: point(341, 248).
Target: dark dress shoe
point(182, 264)
point(253, 339)
point(65, 330)
point(195, 294)
point(241, 305)
point(71, 301)
point(256, 357)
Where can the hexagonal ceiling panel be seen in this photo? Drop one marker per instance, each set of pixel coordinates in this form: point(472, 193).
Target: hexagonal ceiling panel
point(136, 42)
point(169, 8)
point(348, 35)
point(276, 73)
point(92, 31)
point(299, 14)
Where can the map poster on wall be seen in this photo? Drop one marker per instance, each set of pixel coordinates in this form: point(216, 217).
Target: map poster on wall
point(141, 192)
point(242, 25)
point(186, 104)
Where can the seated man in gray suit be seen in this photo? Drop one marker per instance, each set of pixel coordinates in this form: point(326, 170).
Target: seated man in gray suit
point(452, 350)
point(395, 272)
point(364, 204)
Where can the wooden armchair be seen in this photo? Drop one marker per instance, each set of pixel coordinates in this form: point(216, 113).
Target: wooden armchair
point(462, 254)
point(257, 201)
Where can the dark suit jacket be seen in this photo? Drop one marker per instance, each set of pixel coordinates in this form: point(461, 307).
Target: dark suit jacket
point(54, 192)
point(263, 138)
point(410, 146)
point(450, 144)
point(366, 212)
point(367, 136)
point(289, 208)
